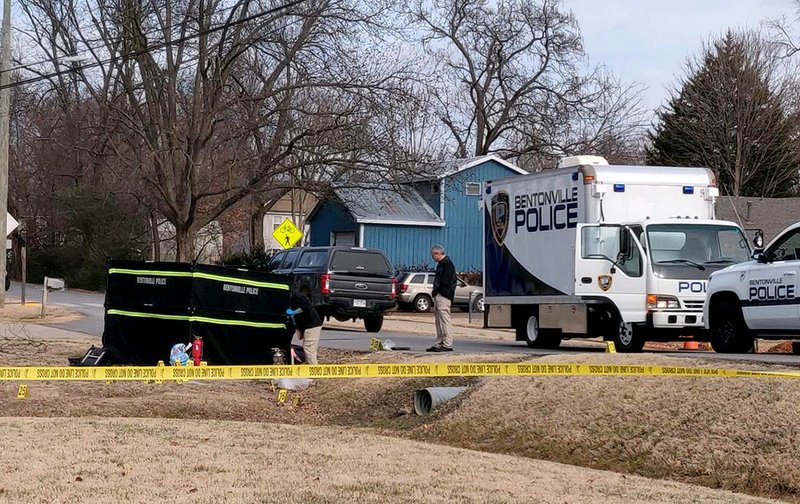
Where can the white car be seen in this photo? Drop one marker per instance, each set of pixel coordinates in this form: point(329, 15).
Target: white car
point(414, 292)
point(756, 298)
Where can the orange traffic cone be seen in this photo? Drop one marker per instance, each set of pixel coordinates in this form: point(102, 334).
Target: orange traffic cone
point(691, 345)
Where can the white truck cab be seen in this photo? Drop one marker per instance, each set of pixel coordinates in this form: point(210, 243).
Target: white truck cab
point(760, 297)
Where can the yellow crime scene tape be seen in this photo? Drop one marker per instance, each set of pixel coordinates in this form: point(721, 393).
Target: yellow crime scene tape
point(329, 371)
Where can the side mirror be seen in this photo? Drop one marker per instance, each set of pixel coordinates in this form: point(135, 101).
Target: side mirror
point(624, 241)
point(760, 256)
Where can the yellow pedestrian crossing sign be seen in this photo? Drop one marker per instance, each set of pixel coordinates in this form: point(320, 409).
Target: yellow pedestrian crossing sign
point(287, 234)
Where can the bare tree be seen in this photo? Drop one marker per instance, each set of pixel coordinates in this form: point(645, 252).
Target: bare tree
point(512, 78)
point(216, 97)
point(783, 35)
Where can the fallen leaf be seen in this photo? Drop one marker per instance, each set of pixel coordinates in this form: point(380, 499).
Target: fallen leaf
point(192, 490)
point(173, 443)
point(78, 478)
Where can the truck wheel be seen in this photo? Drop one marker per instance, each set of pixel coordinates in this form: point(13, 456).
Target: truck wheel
point(628, 338)
point(729, 333)
point(536, 337)
point(373, 323)
point(422, 303)
point(477, 304)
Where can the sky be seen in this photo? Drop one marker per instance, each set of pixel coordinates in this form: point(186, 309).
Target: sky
point(648, 41)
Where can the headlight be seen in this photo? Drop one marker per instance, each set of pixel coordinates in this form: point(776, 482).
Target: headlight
point(658, 302)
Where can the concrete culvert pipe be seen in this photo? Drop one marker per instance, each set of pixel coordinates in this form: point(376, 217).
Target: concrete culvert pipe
point(428, 399)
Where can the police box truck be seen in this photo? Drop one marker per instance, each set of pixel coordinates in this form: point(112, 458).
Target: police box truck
point(590, 249)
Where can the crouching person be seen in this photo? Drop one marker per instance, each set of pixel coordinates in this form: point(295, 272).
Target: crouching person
point(307, 324)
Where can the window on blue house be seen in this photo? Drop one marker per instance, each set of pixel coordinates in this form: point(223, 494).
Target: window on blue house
point(473, 188)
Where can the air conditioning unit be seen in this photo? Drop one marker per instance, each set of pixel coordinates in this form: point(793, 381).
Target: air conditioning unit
point(573, 161)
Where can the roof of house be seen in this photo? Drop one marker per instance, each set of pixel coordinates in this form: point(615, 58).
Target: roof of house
point(444, 169)
point(772, 215)
point(387, 205)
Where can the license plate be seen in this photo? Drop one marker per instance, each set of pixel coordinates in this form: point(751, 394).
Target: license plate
point(359, 303)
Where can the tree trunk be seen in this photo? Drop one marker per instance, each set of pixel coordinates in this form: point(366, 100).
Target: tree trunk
point(257, 229)
point(15, 266)
point(184, 240)
point(155, 236)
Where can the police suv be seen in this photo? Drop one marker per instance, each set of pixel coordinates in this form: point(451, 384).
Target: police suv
point(756, 298)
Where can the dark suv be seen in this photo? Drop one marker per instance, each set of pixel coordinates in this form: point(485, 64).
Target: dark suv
point(342, 282)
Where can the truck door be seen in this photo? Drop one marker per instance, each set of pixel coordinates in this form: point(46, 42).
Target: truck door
point(772, 287)
point(610, 263)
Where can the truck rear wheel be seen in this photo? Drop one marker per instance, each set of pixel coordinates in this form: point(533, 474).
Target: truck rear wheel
point(535, 337)
point(629, 337)
point(729, 333)
point(373, 323)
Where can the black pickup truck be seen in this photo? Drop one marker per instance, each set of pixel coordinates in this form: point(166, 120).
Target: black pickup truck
point(342, 282)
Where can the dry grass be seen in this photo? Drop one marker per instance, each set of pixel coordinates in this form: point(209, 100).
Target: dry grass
point(738, 435)
point(731, 434)
point(762, 346)
point(777, 347)
point(383, 404)
point(128, 460)
point(32, 313)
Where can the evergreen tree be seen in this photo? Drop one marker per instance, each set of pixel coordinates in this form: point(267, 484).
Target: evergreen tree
point(729, 115)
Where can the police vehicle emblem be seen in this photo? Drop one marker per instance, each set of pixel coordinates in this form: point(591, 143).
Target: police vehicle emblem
point(604, 282)
point(500, 216)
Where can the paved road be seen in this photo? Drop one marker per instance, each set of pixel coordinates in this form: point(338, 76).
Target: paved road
point(91, 306)
point(359, 340)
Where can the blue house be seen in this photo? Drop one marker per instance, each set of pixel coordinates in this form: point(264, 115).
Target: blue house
point(442, 209)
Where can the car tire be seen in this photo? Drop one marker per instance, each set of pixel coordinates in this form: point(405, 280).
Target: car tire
point(373, 323)
point(423, 303)
point(628, 338)
point(728, 331)
point(477, 304)
point(529, 332)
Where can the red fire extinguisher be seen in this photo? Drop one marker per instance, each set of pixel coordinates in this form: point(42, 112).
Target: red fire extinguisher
point(197, 350)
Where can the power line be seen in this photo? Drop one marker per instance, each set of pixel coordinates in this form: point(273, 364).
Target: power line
point(158, 46)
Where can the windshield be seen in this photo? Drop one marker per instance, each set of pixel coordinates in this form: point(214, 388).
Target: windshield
point(694, 250)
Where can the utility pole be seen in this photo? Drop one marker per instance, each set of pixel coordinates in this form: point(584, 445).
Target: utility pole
point(5, 111)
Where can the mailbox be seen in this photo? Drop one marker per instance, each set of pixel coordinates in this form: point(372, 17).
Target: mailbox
point(55, 283)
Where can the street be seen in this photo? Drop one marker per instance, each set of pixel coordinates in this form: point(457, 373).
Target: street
point(90, 305)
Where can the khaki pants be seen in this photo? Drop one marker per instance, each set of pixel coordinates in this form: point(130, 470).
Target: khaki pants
point(310, 339)
point(444, 330)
